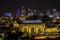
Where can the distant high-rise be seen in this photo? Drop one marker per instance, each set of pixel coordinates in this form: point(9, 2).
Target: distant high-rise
point(48, 12)
point(18, 12)
point(54, 12)
point(22, 9)
point(30, 12)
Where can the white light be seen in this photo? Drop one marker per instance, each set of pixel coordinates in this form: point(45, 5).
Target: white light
point(54, 9)
point(50, 15)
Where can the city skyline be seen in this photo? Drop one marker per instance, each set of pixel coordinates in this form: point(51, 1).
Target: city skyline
point(13, 5)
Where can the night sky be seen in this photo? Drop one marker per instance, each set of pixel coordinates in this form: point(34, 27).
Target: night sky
point(12, 5)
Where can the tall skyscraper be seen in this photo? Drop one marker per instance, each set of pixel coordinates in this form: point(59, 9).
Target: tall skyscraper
point(18, 12)
point(54, 13)
point(22, 9)
point(30, 12)
point(48, 12)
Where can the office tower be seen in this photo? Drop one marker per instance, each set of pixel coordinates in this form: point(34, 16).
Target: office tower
point(30, 12)
point(18, 12)
point(54, 13)
point(48, 12)
point(23, 10)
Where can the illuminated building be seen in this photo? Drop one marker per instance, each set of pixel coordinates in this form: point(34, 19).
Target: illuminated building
point(41, 14)
point(7, 14)
point(30, 12)
point(18, 12)
point(34, 10)
point(54, 13)
point(48, 13)
point(38, 29)
point(22, 9)
point(57, 15)
point(15, 24)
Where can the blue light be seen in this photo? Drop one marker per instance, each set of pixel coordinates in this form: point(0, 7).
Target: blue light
point(18, 11)
point(54, 14)
point(7, 14)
